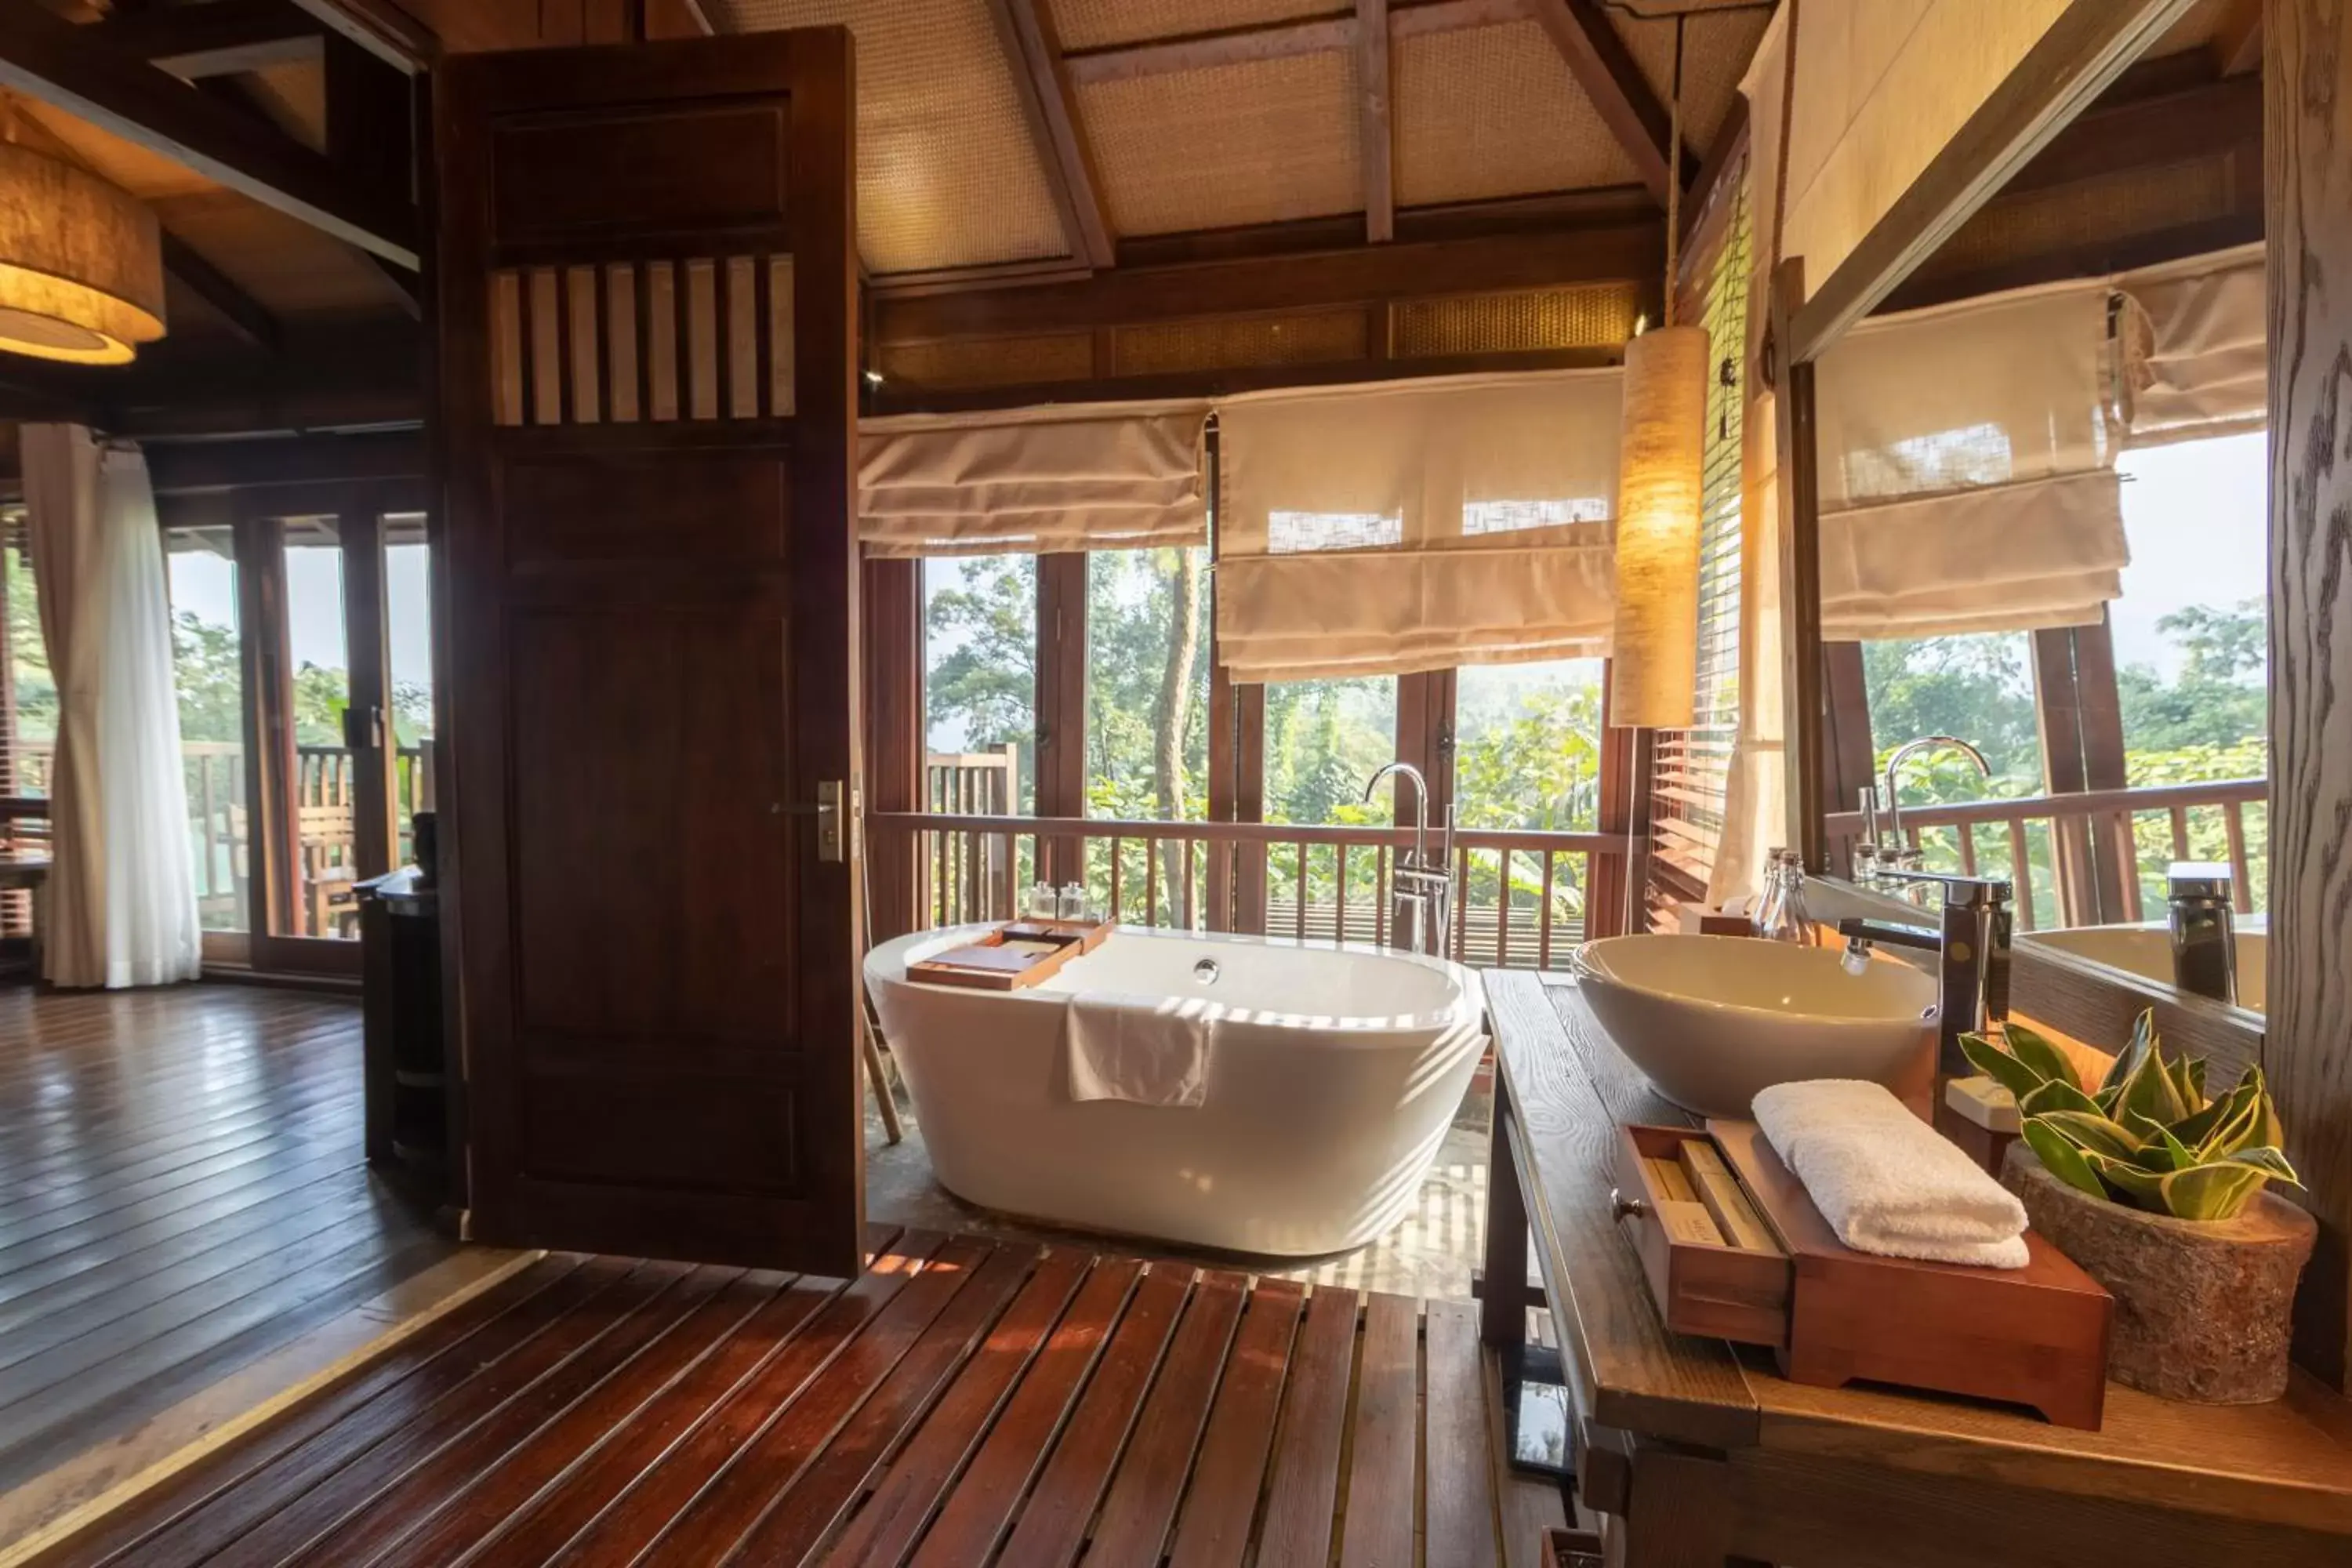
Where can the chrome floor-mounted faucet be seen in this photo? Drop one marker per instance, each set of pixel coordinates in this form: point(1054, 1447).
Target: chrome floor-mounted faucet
point(1420, 895)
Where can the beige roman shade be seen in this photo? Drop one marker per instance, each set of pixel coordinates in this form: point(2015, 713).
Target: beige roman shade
point(1416, 525)
point(2193, 334)
point(1118, 475)
point(1966, 468)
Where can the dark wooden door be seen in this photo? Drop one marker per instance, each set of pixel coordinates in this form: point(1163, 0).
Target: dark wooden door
point(647, 375)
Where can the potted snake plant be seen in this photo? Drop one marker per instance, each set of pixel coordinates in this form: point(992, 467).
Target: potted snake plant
point(2161, 1192)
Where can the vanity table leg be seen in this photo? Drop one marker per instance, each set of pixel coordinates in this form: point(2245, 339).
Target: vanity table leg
point(1503, 1311)
point(1678, 1513)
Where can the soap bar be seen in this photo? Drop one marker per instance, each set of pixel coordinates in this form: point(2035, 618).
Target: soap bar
point(1669, 1179)
point(1719, 1191)
point(1984, 1102)
point(1688, 1222)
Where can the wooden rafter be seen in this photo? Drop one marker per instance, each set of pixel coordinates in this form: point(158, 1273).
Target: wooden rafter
point(2077, 58)
point(1597, 57)
point(381, 28)
point(244, 314)
point(1282, 40)
point(1043, 81)
point(1373, 74)
point(2238, 39)
point(221, 37)
point(59, 63)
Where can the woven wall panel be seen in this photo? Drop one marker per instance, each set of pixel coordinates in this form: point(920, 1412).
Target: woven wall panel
point(2139, 201)
point(1252, 142)
point(1493, 111)
point(991, 362)
point(1715, 52)
point(1100, 24)
point(1598, 315)
point(947, 174)
point(1320, 337)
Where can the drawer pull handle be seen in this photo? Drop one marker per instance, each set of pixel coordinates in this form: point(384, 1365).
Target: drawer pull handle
point(1622, 1208)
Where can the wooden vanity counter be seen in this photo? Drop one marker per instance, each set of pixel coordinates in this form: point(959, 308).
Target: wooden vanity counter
point(1701, 1453)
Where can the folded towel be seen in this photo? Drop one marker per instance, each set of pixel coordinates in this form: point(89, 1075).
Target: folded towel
point(1152, 1051)
point(1887, 1182)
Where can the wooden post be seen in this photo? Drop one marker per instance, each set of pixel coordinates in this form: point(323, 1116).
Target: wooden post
point(2308, 1051)
point(2080, 714)
point(1424, 737)
point(1062, 706)
point(1849, 761)
point(1800, 570)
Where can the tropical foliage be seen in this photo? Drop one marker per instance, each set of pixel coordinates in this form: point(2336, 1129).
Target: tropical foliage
point(2149, 1136)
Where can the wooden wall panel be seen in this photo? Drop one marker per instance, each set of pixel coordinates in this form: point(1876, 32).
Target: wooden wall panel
point(2308, 1051)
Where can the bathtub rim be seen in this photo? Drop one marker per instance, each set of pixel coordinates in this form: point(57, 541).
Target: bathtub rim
point(889, 961)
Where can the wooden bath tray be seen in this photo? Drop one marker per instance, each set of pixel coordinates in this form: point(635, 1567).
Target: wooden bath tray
point(1016, 954)
point(2035, 1336)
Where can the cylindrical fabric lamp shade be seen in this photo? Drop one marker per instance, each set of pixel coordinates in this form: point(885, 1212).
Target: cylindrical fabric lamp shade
point(1655, 648)
point(81, 264)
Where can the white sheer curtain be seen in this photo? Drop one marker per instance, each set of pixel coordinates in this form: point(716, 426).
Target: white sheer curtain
point(123, 901)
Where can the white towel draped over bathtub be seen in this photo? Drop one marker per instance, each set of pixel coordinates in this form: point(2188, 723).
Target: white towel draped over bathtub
point(1150, 1050)
point(1887, 1182)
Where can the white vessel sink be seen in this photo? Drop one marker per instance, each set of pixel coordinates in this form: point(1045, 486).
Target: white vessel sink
point(2147, 951)
point(1713, 1019)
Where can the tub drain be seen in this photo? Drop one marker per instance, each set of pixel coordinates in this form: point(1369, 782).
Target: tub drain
point(1206, 971)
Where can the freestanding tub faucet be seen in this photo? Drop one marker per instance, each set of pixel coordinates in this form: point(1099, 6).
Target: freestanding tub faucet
point(1905, 753)
point(1420, 895)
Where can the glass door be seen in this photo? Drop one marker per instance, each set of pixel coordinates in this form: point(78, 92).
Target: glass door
point(326, 752)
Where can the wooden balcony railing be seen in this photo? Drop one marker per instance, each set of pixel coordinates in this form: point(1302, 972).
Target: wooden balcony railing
point(2144, 829)
point(1523, 899)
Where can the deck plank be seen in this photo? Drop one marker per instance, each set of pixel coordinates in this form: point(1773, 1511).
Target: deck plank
point(1306, 1485)
point(1215, 1527)
point(640, 1513)
point(1053, 1527)
point(1458, 1518)
point(1141, 1508)
point(726, 1509)
point(824, 1492)
point(1382, 1477)
point(983, 1503)
point(911, 1490)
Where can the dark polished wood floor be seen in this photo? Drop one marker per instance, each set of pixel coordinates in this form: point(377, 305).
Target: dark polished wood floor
point(182, 1193)
point(965, 1402)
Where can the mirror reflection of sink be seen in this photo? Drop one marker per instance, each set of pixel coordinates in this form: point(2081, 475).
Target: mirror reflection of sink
point(2146, 951)
point(1713, 1019)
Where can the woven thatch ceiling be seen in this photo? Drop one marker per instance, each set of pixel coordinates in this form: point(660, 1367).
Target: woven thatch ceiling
point(1213, 114)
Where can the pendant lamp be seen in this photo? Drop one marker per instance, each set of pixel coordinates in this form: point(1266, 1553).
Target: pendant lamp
point(1654, 649)
point(81, 263)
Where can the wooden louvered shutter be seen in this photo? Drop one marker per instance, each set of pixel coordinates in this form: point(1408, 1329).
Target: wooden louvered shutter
point(1693, 765)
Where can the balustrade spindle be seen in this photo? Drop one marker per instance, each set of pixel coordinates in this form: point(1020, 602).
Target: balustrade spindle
point(1298, 893)
point(1150, 884)
point(1967, 849)
point(1339, 916)
point(2022, 870)
point(2241, 890)
point(2179, 815)
point(1543, 917)
point(1503, 910)
point(1188, 884)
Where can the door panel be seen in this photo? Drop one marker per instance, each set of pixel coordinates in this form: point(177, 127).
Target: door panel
point(648, 367)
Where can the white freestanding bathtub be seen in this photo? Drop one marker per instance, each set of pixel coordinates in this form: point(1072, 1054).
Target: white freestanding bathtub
point(1333, 1075)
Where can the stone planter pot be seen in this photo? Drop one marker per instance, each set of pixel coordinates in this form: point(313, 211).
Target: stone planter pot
point(2202, 1309)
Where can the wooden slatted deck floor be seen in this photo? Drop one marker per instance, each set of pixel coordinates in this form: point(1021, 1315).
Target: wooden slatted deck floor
point(964, 1401)
point(183, 1194)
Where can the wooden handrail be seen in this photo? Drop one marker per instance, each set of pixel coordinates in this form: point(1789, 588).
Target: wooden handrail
point(2089, 802)
point(1245, 832)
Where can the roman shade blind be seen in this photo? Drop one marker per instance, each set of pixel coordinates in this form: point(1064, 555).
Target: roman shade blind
point(1966, 468)
point(1416, 525)
point(1117, 476)
point(2193, 335)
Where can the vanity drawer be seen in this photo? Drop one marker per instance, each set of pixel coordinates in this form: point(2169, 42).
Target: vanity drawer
point(1700, 1284)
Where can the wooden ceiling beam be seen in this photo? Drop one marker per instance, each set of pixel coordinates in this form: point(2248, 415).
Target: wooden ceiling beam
point(1378, 156)
point(381, 28)
point(2238, 39)
point(59, 63)
point(1361, 275)
point(1043, 81)
point(1282, 40)
point(1602, 66)
point(2078, 58)
point(221, 37)
point(247, 316)
point(189, 467)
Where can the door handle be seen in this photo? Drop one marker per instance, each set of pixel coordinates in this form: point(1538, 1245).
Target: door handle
point(833, 827)
point(362, 728)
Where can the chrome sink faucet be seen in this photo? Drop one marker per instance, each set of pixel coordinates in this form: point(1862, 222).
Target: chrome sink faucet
point(1971, 943)
point(1420, 895)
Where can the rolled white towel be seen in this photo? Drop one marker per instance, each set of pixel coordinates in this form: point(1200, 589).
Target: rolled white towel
point(1887, 1182)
